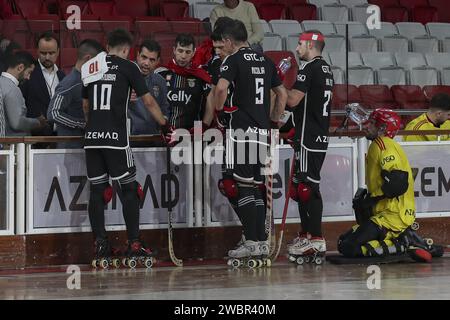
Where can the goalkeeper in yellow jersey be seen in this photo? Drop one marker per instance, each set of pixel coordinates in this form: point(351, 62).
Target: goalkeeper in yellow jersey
point(386, 210)
point(434, 119)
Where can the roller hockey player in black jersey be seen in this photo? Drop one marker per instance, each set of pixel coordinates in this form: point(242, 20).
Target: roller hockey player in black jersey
point(107, 83)
point(310, 97)
point(252, 77)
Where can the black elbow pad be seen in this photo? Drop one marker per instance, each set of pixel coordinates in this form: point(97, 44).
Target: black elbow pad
point(395, 183)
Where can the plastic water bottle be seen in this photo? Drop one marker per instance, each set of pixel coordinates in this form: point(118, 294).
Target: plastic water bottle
point(284, 65)
point(357, 113)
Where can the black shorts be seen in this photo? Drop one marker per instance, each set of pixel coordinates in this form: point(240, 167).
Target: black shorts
point(117, 163)
point(245, 161)
point(308, 165)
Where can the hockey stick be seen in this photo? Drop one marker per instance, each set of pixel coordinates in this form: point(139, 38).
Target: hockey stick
point(175, 260)
point(270, 224)
point(285, 209)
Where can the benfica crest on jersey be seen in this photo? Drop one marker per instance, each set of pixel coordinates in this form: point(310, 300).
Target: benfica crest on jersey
point(191, 83)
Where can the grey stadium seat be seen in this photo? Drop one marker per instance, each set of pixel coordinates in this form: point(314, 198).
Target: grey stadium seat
point(364, 44)
point(394, 44)
point(423, 76)
point(411, 30)
point(338, 59)
point(355, 28)
point(352, 3)
point(377, 60)
point(387, 29)
point(438, 60)
point(445, 77)
point(202, 10)
point(338, 75)
point(425, 44)
point(360, 76)
point(325, 27)
point(359, 13)
point(272, 42)
point(391, 76)
point(334, 12)
point(285, 27)
point(334, 43)
point(266, 26)
point(410, 60)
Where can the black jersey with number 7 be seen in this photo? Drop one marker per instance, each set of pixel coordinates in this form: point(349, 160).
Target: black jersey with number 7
point(312, 114)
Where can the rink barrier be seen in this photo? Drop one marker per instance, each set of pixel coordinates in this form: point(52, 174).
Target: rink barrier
point(198, 206)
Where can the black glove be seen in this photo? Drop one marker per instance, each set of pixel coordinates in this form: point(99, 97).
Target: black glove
point(363, 205)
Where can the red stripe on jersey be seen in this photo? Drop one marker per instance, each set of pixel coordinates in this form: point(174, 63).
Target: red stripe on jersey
point(380, 143)
point(419, 124)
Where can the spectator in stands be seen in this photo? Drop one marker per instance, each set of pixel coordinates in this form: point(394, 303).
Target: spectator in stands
point(245, 12)
point(13, 120)
point(43, 81)
point(65, 108)
point(435, 118)
point(142, 122)
point(187, 86)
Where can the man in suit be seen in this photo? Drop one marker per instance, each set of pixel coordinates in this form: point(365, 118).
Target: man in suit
point(43, 81)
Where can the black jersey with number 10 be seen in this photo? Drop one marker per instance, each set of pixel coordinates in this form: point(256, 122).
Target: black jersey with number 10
point(252, 76)
point(312, 115)
point(107, 125)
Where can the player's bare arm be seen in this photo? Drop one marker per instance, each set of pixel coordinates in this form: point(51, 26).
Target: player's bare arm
point(280, 103)
point(154, 109)
point(294, 97)
point(220, 94)
point(86, 108)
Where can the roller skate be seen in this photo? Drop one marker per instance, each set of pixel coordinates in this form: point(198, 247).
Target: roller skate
point(264, 249)
point(420, 249)
point(301, 236)
point(246, 255)
point(308, 251)
point(105, 255)
point(137, 253)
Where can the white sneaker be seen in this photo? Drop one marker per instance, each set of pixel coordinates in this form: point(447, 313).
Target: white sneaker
point(248, 249)
point(301, 237)
point(308, 246)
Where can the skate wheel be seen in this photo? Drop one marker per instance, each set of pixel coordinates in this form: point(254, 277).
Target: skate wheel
point(104, 263)
point(148, 262)
point(268, 263)
point(292, 258)
point(116, 263)
point(308, 259)
point(132, 263)
point(229, 262)
point(94, 263)
point(260, 263)
point(318, 260)
point(300, 261)
point(235, 263)
point(429, 241)
point(252, 263)
point(125, 262)
point(415, 226)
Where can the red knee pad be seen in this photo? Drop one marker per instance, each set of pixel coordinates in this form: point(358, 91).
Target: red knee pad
point(228, 188)
point(140, 192)
point(304, 192)
point(107, 194)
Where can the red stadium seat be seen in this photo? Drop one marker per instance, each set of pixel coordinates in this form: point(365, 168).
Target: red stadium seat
point(43, 22)
point(68, 59)
point(442, 6)
point(272, 11)
point(394, 14)
point(29, 8)
point(289, 3)
point(166, 41)
point(187, 25)
point(377, 96)
point(424, 14)
point(340, 96)
point(154, 7)
point(409, 97)
point(276, 57)
point(411, 4)
point(106, 8)
point(152, 25)
point(176, 9)
point(258, 3)
point(110, 23)
point(302, 12)
point(430, 91)
point(17, 28)
point(132, 8)
point(385, 3)
point(64, 4)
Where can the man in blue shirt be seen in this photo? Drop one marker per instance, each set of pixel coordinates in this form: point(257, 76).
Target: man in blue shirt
point(65, 107)
point(142, 122)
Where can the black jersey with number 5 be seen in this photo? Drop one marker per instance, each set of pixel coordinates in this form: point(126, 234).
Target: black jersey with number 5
point(312, 114)
point(107, 125)
point(252, 77)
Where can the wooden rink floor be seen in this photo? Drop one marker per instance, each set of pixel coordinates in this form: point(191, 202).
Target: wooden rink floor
point(283, 281)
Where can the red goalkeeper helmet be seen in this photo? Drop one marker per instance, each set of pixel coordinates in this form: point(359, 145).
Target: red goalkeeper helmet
point(387, 117)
